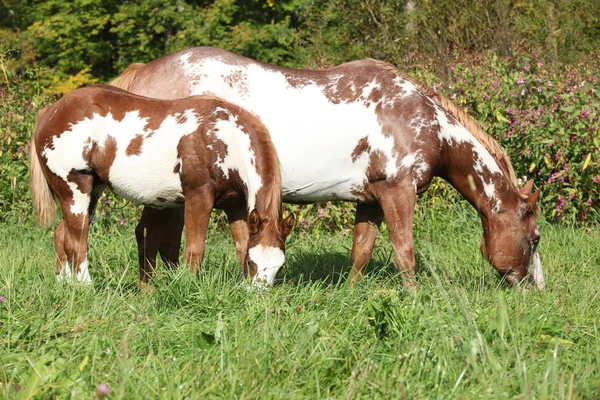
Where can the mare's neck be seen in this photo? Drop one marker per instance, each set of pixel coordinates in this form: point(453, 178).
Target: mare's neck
point(478, 177)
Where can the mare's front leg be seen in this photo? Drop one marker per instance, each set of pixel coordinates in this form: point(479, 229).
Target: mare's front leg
point(398, 203)
point(367, 221)
point(238, 218)
point(198, 205)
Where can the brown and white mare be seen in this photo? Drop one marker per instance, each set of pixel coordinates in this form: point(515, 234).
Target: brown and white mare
point(360, 132)
point(199, 152)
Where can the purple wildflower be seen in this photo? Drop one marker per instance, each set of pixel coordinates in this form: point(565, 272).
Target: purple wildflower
point(102, 390)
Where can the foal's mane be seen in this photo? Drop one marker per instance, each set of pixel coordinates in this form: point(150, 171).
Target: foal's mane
point(124, 80)
point(272, 199)
point(465, 120)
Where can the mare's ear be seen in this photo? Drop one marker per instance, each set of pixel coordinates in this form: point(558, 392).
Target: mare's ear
point(254, 222)
point(527, 188)
point(287, 224)
point(532, 200)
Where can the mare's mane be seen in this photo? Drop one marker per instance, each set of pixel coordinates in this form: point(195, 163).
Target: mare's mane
point(465, 120)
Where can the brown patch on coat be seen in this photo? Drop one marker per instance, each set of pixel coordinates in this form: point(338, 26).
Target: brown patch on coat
point(101, 159)
point(135, 146)
point(177, 168)
point(84, 182)
point(362, 147)
point(376, 167)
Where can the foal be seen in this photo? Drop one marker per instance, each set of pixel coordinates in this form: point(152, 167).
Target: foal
point(199, 152)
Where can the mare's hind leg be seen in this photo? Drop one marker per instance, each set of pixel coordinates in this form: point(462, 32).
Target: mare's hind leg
point(367, 221)
point(198, 205)
point(238, 218)
point(158, 231)
point(171, 243)
point(398, 205)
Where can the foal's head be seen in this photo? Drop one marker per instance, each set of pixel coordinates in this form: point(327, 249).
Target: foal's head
point(266, 246)
point(511, 238)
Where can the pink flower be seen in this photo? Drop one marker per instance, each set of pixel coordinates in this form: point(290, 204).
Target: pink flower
point(596, 179)
point(2, 299)
point(589, 203)
point(102, 390)
point(122, 221)
point(322, 212)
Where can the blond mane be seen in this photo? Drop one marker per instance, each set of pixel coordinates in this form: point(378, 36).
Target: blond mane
point(465, 120)
point(124, 80)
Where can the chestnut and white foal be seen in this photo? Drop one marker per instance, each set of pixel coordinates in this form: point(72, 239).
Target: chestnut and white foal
point(199, 152)
point(362, 132)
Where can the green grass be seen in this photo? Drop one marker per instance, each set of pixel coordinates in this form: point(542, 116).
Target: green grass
point(463, 334)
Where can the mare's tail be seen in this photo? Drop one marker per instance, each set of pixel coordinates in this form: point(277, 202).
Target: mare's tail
point(44, 205)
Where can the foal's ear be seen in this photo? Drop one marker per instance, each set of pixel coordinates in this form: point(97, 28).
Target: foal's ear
point(254, 222)
point(527, 188)
point(287, 224)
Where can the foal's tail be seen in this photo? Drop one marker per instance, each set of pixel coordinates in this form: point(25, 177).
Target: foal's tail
point(124, 80)
point(44, 205)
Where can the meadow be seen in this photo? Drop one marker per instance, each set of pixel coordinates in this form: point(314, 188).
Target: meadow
point(464, 333)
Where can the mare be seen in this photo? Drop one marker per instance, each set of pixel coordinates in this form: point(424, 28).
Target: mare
point(198, 152)
point(360, 132)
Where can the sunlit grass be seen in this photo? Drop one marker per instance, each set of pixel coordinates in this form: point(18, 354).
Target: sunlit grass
point(463, 334)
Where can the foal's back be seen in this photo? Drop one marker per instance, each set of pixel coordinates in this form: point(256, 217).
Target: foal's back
point(130, 142)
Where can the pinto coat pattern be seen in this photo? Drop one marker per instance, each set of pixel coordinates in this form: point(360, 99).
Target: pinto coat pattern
point(363, 132)
point(199, 152)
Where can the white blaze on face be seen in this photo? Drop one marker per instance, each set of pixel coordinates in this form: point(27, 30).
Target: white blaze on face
point(239, 157)
point(268, 261)
point(535, 270)
point(314, 145)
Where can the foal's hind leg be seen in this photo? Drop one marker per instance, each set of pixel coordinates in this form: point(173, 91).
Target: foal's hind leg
point(367, 222)
point(398, 205)
point(59, 246)
point(75, 224)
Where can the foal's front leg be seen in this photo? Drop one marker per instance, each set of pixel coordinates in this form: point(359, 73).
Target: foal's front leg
point(398, 205)
point(198, 205)
point(238, 218)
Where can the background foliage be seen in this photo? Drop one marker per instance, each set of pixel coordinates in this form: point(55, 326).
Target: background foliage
point(526, 70)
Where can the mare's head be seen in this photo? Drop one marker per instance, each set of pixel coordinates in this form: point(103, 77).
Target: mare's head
point(510, 239)
point(266, 246)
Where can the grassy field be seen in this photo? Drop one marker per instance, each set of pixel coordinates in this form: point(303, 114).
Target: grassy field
point(463, 334)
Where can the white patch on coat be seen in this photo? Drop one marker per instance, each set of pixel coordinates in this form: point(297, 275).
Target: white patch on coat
point(314, 145)
point(408, 88)
point(145, 177)
point(240, 156)
point(268, 260)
